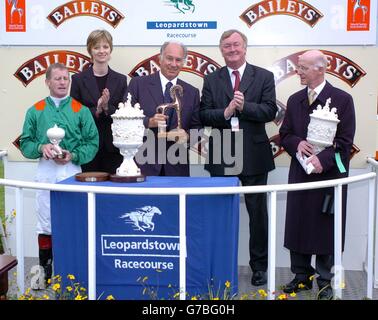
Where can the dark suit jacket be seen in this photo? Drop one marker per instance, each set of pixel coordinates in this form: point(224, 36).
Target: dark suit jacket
point(147, 91)
point(84, 89)
point(307, 230)
point(257, 85)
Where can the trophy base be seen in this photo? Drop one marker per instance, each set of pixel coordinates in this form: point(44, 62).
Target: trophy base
point(117, 178)
point(176, 135)
point(93, 176)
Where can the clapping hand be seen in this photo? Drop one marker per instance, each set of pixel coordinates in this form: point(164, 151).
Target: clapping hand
point(102, 103)
point(238, 100)
point(237, 103)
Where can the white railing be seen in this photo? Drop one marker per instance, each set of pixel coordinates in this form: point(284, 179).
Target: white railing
point(3, 236)
point(374, 165)
point(271, 190)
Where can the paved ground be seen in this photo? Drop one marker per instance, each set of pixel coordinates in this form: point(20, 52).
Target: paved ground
point(355, 284)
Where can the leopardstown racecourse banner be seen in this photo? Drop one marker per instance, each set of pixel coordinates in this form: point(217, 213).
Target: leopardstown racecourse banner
point(194, 22)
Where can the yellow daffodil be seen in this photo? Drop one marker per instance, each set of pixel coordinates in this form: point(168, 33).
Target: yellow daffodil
point(56, 286)
point(227, 284)
point(262, 293)
point(110, 297)
point(71, 277)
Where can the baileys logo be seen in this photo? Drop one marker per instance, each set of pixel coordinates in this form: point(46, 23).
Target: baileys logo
point(296, 8)
point(196, 63)
point(37, 66)
point(92, 8)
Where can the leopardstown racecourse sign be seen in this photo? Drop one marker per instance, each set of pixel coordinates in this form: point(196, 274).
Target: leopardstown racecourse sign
point(195, 23)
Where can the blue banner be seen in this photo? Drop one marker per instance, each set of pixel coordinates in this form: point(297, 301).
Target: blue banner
point(137, 239)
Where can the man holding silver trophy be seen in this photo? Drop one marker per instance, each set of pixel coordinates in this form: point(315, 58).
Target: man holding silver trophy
point(57, 119)
point(318, 152)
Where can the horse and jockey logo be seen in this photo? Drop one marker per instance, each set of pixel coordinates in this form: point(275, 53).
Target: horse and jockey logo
point(358, 6)
point(358, 17)
point(14, 8)
point(141, 218)
point(15, 15)
point(183, 5)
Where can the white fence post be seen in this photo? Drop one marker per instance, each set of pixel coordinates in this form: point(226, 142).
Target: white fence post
point(183, 248)
point(272, 230)
point(20, 241)
point(91, 246)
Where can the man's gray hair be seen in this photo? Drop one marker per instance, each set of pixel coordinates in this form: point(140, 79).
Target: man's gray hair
point(229, 33)
point(165, 44)
point(321, 62)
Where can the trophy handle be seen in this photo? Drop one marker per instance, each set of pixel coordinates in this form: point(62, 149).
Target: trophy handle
point(176, 93)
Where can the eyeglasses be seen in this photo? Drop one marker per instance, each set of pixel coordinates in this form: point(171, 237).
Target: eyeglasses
point(302, 68)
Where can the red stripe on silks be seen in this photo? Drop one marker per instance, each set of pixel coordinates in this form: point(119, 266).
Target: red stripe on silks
point(44, 241)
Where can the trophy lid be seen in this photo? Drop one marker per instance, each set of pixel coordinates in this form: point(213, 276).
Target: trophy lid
point(126, 110)
point(325, 113)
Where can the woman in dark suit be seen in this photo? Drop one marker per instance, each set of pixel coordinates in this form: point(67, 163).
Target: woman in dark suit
point(101, 89)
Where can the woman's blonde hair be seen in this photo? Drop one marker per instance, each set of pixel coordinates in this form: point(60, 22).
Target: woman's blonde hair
point(96, 36)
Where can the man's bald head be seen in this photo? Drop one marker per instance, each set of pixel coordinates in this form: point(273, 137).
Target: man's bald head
point(311, 68)
point(315, 58)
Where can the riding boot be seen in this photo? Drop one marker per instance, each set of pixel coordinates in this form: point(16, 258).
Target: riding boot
point(45, 256)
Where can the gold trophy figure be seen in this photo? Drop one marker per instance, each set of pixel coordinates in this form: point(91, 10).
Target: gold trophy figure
point(178, 134)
